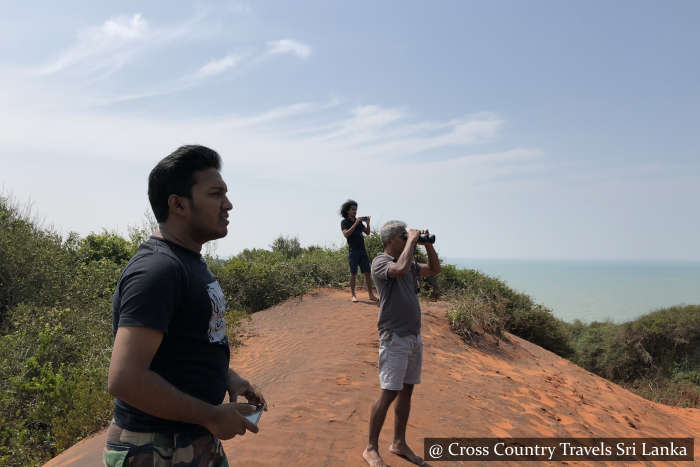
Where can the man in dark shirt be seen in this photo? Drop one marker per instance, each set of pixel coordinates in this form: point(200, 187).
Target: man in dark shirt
point(169, 368)
point(400, 342)
point(352, 228)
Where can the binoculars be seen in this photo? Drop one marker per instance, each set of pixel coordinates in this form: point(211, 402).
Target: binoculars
point(426, 238)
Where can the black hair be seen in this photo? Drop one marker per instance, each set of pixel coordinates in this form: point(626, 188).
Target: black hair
point(346, 207)
point(174, 174)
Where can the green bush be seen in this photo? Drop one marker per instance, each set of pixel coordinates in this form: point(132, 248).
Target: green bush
point(52, 382)
point(288, 247)
point(373, 245)
point(505, 308)
point(35, 264)
point(656, 355)
point(539, 326)
point(257, 279)
point(592, 345)
point(107, 245)
point(472, 315)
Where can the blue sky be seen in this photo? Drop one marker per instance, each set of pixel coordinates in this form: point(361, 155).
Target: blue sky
point(510, 129)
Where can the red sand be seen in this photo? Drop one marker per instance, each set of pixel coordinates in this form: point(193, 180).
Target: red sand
point(315, 361)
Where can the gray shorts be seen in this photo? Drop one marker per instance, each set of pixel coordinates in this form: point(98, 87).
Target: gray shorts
point(400, 360)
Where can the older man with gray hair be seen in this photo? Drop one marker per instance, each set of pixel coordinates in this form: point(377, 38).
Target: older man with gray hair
point(400, 344)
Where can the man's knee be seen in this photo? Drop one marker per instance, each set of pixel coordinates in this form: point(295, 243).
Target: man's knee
point(387, 397)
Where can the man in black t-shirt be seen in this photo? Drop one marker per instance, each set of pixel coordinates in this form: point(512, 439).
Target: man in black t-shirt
point(169, 369)
point(352, 228)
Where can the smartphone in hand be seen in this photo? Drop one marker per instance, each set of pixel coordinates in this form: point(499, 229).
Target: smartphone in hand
point(255, 416)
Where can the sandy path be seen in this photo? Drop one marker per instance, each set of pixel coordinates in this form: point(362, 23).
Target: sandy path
point(315, 361)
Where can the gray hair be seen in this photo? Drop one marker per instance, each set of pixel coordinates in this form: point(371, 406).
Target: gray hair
point(391, 229)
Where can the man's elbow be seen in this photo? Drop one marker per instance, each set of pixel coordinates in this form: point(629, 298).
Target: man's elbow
point(114, 385)
point(118, 382)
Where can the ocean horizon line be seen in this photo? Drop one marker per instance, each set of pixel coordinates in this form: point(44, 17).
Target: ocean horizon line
point(631, 261)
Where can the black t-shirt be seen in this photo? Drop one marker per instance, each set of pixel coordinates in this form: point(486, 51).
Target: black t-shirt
point(355, 239)
point(171, 289)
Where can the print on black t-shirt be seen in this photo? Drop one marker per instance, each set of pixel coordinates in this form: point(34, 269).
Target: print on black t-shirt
point(217, 323)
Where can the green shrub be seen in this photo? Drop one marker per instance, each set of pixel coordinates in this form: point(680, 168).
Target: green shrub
point(35, 264)
point(539, 326)
point(52, 382)
point(516, 312)
point(257, 279)
point(373, 244)
point(288, 247)
point(652, 344)
point(107, 245)
point(472, 315)
point(592, 345)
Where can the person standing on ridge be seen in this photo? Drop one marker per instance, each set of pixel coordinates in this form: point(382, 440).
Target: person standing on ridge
point(352, 228)
point(169, 371)
point(400, 342)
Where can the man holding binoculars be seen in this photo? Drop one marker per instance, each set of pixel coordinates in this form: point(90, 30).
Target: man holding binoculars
point(400, 344)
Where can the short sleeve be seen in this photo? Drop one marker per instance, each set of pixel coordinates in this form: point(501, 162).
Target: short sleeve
point(380, 266)
point(149, 292)
point(344, 224)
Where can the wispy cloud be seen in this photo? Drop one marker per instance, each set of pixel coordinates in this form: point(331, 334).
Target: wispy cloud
point(217, 66)
point(289, 46)
point(107, 46)
point(101, 50)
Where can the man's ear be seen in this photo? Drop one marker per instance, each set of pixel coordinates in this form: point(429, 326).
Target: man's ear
point(177, 205)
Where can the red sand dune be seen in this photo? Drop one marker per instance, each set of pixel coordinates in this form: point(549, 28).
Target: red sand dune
point(315, 361)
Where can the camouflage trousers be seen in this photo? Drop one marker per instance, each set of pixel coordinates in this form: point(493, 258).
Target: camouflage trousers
point(135, 449)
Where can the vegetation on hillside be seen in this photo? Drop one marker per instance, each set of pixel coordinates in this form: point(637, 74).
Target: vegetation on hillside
point(656, 355)
point(56, 329)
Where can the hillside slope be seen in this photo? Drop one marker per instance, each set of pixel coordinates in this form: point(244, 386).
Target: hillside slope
point(315, 361)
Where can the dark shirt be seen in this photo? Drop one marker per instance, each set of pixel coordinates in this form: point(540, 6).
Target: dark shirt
point(171, 289)
point(399, 310)
point(355, 240)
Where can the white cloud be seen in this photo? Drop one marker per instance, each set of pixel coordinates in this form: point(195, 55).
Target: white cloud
point(289, 46)
point(218, 66)
point(299, 153)
point(110, 45)
point(101, 50)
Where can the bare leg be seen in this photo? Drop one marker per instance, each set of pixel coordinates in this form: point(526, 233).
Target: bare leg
point(401, 412)
point(370, 289)
point(352, 286)
point(376, 421)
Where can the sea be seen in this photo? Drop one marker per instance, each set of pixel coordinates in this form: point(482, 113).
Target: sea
point(589, 291)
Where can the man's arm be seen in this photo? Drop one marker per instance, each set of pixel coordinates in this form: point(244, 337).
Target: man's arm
point(433, 266)
point(366, 229)
point(131, 380)
point(403, 265)
point(348, 232)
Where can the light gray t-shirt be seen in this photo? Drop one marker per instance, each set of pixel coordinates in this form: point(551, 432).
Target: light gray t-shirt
point(399, 310)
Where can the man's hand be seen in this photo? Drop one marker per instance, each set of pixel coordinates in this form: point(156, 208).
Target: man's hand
point(238, 386)
point(413, 235)
point(228, 420)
